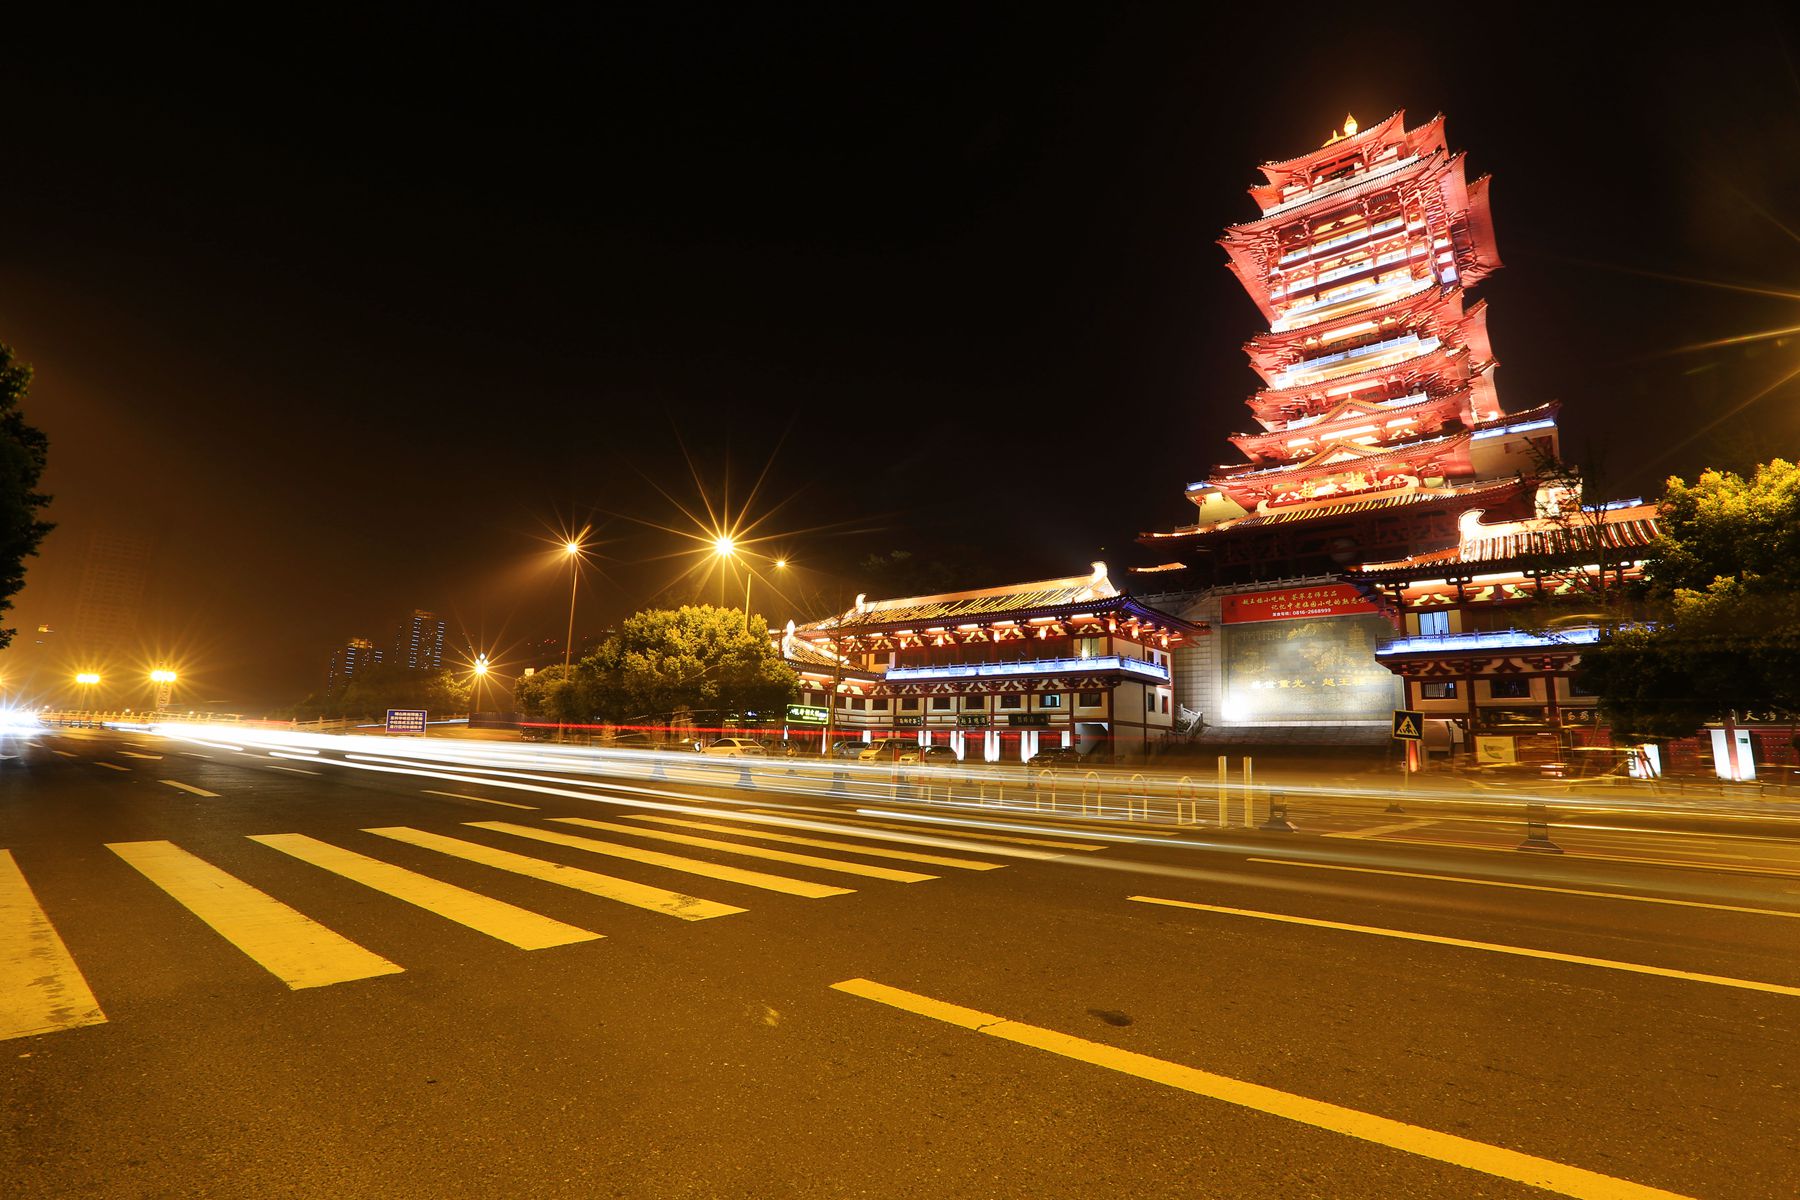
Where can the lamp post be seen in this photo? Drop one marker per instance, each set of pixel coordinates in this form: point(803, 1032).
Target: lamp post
point(478, 673)
point(572, 551)
point(87, 681)
point(164, 679)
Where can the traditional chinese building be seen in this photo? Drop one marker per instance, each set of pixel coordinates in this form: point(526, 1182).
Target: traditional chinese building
point(1377, 426)
point(995, 673)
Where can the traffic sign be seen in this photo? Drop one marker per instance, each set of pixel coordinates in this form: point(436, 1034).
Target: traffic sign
point(406, 720)
point(1409, 725)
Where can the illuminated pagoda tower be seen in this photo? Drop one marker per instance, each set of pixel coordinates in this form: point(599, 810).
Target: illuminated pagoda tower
point(1377, 423)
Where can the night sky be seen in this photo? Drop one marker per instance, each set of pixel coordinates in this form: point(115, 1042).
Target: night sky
point(353, 319)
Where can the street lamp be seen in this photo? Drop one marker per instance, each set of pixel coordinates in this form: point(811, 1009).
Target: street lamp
point(725, 547)
point(164, 679)
point(478, 672)
point(571, 551)
point(87, 681)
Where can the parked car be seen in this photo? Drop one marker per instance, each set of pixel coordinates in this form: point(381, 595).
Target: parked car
point(737, 747)
point(935, 756)
point(1060, 756)
point(887, 750)
point(851, 749)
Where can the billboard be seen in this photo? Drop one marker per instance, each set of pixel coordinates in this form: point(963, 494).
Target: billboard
point(1283, 669)
point(406, 720)
point(1288, 604)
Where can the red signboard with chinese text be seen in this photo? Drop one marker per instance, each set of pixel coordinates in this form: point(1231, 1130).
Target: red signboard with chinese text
point(1324, 600)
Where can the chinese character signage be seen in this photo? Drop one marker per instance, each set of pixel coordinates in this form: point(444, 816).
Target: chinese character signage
point(806, 714)
point(1318, 670)
point(406, 720)
point(1289, 604)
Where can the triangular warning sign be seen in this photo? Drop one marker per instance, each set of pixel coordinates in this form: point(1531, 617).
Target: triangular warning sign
point(1406, 728)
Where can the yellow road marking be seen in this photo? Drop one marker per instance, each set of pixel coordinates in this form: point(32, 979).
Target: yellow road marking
point(188, 787)
point(64, 753)
point(41, 988)
point(496, 918)
point(1530, 887)
point(1025, 812)
point(1690, 863)
point(481, 800)
point(674, 904)
point(133, 754)
point(1521, 951)
point(1382, 1131)
point(671, 862)
point(967, 864)
point(960, 832)
point(803, 860)
point(1378, 830)
point(291, 946)
point(112, 766)
point(291, 770)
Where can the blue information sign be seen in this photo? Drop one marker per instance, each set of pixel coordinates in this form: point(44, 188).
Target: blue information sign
point(406, 720)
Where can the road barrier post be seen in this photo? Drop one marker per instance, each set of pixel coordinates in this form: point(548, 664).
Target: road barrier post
point(1090, 783)
point(1185, 805)
point(1050, 774)
point(1278, 817)
point(1224, 792)
point(1249, 798)
point(1537, 831)
point(1137, 795)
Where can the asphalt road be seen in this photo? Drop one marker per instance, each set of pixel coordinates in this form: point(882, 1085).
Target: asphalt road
point(1058, 1007)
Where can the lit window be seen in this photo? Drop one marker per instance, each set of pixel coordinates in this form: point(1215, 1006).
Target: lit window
point(1438, 689)
point(1050, 700)
point(1434, 624)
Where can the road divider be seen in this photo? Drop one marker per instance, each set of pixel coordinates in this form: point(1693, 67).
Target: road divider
point(1481, 1157)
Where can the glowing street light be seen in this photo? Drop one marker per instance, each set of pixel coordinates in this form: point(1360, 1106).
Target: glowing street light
point(478, 672)
point(88, 678)
point(164, 679)
point(571, 551)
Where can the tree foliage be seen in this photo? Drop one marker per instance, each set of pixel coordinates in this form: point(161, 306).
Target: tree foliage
point(1725, 596)
point(22, 454)
point(382, 686)
point(697, 658)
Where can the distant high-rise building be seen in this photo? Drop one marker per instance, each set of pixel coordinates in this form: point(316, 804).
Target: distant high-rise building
point(353, 657)
point(419, 642)
point(107, 603)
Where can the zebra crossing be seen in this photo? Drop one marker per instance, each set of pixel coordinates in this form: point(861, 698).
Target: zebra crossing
point(44, 990)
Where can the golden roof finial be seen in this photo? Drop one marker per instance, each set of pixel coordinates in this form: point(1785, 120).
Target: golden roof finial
point(1349, 125)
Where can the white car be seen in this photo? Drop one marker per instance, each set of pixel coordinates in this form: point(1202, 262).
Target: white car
point(737, 747)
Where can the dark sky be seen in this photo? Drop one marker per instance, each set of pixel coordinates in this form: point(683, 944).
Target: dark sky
point(351, 319)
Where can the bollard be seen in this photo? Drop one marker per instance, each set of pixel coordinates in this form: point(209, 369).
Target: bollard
point(1092, 778)
point(744, 780)
point(1537, 831)
point(656, 769)
point(1224, 792)
point(1278, 817)
point(839, 777)
point(1137, 795)
point(1249, 793)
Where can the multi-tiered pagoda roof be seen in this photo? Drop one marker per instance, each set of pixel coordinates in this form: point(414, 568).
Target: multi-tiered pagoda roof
point(1377, 372)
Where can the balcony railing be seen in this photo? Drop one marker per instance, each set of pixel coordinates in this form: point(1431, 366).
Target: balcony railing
point(1033, 666)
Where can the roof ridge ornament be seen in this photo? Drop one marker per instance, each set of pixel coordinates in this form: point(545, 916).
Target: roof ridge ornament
point(1348, 131)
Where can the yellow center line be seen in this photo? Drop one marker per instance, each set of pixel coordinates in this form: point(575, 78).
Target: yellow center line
point(967, 864)
point(496, 918)
point(188, 787)
point(1495, 947)
point(64, 753)
point(1529, 887)
point(481, 800)
point(671, 862)
point(802, 860)
point(291, 946)
point(1382, 1131)
point(960, 832)
point(112, 766)
point(1689, 863)
point(131, 754)
point(41, 988)
point(674, 904)
point(1378, 830)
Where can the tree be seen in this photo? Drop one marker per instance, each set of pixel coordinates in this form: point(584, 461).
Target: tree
point(22, 454)
point(389, 685)
point(697, 658)
point(1725, 600)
